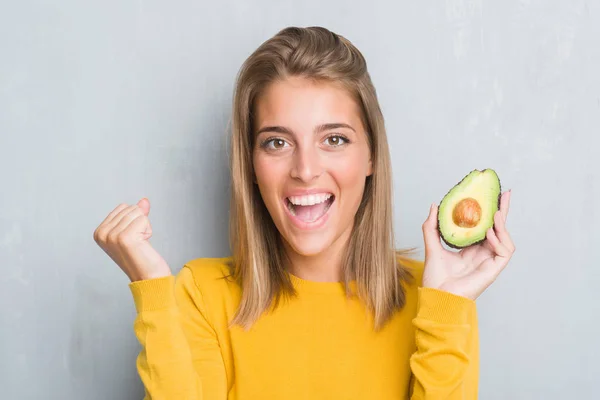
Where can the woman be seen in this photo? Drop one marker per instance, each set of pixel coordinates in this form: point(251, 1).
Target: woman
point(315, 302)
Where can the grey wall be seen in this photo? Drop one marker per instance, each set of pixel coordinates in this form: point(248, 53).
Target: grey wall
point(108, 102)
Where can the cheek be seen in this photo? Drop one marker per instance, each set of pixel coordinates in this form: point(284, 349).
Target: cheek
point(349, 172)
point(269, 174)
point(260, 167)
point(350, 176)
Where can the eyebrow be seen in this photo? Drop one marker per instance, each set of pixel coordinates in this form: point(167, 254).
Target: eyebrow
point(318, 129)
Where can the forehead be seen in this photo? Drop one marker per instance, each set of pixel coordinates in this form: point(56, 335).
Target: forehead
point(301, 102)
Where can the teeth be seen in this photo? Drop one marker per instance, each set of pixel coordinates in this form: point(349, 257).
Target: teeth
point(291, 208)
point(309, 200)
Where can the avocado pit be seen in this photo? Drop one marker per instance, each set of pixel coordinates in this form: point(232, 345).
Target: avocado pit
point(467, 213)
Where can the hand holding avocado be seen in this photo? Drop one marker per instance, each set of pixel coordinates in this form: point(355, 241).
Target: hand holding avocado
point(472, 218)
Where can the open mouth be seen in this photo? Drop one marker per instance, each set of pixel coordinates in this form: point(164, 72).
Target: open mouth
point(309, 208)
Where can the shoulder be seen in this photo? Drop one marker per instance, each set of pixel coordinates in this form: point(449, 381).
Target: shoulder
point(208, 269)
point(210, 276)
point(414, 267)
point(206, 282)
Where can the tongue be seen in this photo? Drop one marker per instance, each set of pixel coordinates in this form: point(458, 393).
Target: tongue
point(310, 213)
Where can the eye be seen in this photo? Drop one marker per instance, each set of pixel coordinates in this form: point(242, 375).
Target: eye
point(337, 140)
point(273, 144)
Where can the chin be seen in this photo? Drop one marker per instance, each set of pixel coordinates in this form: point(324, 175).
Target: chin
point(310, 245)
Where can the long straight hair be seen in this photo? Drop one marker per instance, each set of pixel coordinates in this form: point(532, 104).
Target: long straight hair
point(258, 261)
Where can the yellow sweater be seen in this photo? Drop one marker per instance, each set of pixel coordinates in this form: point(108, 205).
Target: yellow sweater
point(320, 345)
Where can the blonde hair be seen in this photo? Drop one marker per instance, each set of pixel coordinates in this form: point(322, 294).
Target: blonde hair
point(258, 259)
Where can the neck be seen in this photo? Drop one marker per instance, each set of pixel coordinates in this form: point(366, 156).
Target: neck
point(325, 266)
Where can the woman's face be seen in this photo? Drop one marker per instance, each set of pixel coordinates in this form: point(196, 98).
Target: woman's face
point(311, 158)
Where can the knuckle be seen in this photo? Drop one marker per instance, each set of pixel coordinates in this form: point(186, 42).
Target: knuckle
point(112, 238)
point(122, 239)
point(99, 235)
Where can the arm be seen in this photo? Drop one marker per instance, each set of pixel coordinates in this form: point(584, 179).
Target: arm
point(446, 362)
point(180, 356)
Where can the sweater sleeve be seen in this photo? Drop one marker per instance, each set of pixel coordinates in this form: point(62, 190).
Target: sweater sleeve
point(445, 364)
point(180, 356)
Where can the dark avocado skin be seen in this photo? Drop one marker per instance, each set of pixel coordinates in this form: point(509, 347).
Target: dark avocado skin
point(438, 215)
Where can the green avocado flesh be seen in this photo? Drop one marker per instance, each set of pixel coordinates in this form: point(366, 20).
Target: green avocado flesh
point(467, 211)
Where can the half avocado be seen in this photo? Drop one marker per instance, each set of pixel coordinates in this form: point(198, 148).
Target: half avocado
point(467, 211)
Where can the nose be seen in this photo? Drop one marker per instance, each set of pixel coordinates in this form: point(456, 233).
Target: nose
point(306, 164)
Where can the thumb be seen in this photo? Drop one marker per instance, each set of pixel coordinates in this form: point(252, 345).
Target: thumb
point(431, 235)
point(144, 204)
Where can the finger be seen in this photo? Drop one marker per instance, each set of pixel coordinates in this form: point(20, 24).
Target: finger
point(483, 255)
point(487, 245)
point(491, 267)
point(144, 204)
point(124, 222)
point(487, 273)
point(431, 235)
point(119, 216)
point(505, 204)
point(497, 246)
point(101, 233)
point(139, 226)
point(114, 212)
point(502, 232)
